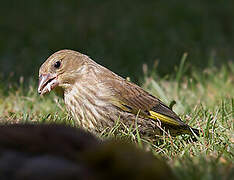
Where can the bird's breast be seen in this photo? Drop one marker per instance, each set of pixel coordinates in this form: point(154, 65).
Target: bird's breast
point(89, 107)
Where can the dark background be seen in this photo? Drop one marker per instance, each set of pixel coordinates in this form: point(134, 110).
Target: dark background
point(121, 35)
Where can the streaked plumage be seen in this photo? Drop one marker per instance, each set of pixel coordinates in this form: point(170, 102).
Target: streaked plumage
point(97, 97)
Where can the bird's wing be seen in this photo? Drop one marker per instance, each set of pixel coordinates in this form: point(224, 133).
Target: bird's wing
point(132, 98)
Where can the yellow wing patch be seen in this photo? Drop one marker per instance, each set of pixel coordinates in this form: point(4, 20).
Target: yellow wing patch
point(163, 118)
point(121, 105)
point(152, 114)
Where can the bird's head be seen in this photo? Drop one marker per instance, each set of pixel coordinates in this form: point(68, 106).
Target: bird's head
point(60, 70)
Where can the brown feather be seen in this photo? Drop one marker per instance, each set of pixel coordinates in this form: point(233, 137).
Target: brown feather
point(97, 97)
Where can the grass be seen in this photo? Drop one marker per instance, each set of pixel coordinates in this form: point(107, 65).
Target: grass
point(204, 100)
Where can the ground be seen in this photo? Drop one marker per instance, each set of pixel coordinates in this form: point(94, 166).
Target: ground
point(204, 100)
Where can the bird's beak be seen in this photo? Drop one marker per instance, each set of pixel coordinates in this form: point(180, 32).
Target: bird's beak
point(47, 82)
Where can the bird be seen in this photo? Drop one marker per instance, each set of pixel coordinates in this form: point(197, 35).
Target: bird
point(97, 98)
point(57, 151)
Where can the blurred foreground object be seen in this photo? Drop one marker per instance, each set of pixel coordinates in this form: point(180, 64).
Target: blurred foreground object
point(97, 97)
point(57, 152)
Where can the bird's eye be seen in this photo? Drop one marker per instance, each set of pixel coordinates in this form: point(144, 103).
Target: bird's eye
point(57, 64)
